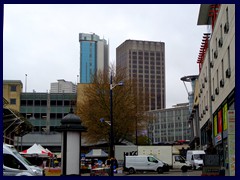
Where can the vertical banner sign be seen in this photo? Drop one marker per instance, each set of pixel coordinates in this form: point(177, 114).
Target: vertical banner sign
point(231, 141)
point(220, 121)
point(215, 125)
point(225, 122)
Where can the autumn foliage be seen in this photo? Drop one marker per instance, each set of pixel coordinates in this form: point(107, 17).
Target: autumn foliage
point(95, 106)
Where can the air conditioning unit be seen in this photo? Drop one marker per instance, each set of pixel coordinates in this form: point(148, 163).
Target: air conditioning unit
point(228, 73)
point(222, 83)
point(211, 64)
point(203, 85)
point(217, 91)
point(213, 97)
point(205, 79)
point(206, 108)
point(215, 54)
point(226, 27)
point(220, 42)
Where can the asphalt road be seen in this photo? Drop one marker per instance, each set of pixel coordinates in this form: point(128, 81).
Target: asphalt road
point(170, 173)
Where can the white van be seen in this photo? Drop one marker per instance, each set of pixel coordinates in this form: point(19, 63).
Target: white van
point(16, 165)
point(144, 163)
point(195, 157)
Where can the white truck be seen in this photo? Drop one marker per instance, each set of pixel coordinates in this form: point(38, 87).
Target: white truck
point(168, 154)
point(124, 150)
point(195, 157)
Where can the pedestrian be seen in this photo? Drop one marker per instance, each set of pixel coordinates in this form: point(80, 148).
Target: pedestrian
point(108, 162)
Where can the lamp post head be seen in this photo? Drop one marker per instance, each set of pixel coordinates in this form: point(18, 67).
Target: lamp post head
point(121, 83)
point(102, 120)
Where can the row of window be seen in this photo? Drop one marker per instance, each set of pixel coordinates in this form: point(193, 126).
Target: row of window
point(171, 125)
point(147, 67)
point(170, 138)
point(146, 53)
point(154, 106)
point(43, 116)
point(145, 58)
point(147, 71)
point(151, 62)
point(44, 102)
point(152, 76)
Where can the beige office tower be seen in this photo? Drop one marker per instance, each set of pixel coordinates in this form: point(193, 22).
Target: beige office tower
point(144, 62)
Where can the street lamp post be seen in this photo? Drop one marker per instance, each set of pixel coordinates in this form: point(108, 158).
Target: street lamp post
point(111, 129)
point(136, 130)
point(25, 83)
point(111, 122)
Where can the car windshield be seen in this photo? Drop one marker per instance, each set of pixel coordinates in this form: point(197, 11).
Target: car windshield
point(181, 158)
point(198, 156)
point(22, 158)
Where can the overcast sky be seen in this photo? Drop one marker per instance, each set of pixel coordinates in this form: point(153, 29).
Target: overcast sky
point(42, 41)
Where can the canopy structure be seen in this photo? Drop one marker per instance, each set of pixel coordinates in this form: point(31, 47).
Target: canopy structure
point(46, 149)
point(14, 124)
point(96, 153)
point(36, 150)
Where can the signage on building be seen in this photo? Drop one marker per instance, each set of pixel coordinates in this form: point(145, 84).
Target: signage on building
point(231, 122)
point(215, 125)
point(219, 121)
point(225, 113)
point(231, 142)
point(218, 138)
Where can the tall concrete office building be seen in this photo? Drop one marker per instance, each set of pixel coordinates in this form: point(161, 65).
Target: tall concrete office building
point(94, 56)
point(144, 62)
point(63, 86)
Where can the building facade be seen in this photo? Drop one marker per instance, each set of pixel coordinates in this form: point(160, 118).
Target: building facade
point(45, 112)
point(94, 56)
point(169, 125)
point(144, 62)
point(14, 124)
point(12, 90)
point(216, 83)
point(63, 86)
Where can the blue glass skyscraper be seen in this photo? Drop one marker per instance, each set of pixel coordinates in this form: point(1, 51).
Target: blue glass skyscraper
point(93, 56)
